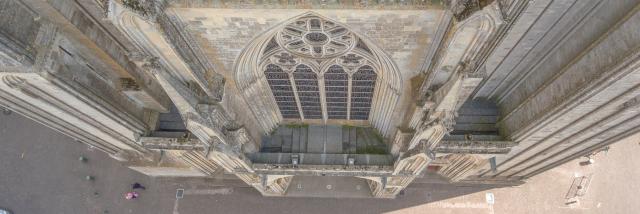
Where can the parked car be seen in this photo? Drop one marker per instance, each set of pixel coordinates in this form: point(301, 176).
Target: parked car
point(3, 211)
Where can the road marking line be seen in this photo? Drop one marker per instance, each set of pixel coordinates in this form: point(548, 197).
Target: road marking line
point(460, 205)
point(175, 207)
point(217, 191)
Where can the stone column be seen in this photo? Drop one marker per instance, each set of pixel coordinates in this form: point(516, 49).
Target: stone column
point(226, 140)
point(41, 90)
point(436, 119)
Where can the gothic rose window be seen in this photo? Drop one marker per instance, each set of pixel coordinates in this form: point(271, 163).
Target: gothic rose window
point(320, 70)
point(313, 70)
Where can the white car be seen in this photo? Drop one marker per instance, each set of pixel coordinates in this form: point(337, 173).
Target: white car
point(3, 211)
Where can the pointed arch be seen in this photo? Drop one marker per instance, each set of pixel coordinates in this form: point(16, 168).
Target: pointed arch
point(317, 44)
point(336, 84)
point(362, 88)
point(282, 91)
point(306, 82)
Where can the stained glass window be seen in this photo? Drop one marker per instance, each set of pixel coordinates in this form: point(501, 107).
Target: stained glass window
point(336, 82)
point(362, 86)
point(308, 92)
point(282, 91)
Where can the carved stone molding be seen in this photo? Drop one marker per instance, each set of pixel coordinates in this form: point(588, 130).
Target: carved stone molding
point(462, 9)
point(460, 166)
point(319, 44)
point(13, 81)
point(275, 184)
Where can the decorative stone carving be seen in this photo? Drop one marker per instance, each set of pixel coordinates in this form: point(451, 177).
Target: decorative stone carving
point(351, 61)
point(401, 141)
point(460, 166)
point(262, 68)
point(286, 61)
point(13, 81)
point(166, 143)
point(151, 64)
point(148, 9)
point(462, 9)
point(315, 37)
point(275, 184)
point(474, 147)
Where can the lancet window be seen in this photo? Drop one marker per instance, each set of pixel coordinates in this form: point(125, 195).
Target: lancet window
point(336, 83)
point(363, 84)
point(318, 69)
point(282, 91)
point(308, 92)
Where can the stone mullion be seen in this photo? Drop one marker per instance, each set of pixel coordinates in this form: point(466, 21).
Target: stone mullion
point(349, 84)
point(323, 98)
point(295, 95)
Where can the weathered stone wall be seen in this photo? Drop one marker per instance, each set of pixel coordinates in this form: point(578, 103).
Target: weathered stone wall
point(223, 33)
point(565, 83)
point(104, 49)
point(65, 71)
point(312, 4)
point(17, 42)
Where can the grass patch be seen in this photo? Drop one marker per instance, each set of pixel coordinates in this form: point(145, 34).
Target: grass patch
point(373, 150)
point(378, 136)
point(347, 126)
point(295, 126)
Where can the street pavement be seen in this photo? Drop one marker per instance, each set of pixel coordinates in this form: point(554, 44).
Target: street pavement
point(40, 172)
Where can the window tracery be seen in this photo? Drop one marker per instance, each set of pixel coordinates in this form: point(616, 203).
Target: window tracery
point(310, 36)
point(308, 92)
point(253, 83)
point(316, 61)
point(282, 91)
point(336, 83)
point(363, 84)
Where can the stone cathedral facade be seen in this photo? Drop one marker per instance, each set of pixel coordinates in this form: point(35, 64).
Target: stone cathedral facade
point(278, 93)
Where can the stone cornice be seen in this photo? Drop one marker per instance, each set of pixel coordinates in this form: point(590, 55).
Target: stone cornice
point(311, 4)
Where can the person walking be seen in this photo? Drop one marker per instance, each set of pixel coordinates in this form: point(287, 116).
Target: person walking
point(131, 195)
point(138, 186)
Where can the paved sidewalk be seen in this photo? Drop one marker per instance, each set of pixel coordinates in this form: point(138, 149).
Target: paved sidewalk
point(40, 173)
